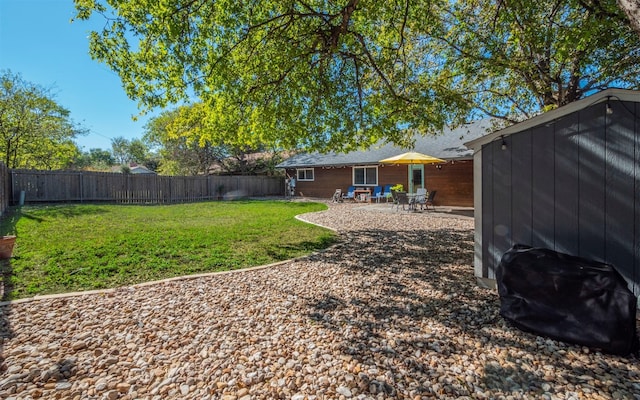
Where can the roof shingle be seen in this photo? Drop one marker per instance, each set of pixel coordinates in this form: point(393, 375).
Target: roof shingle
point(449, 145)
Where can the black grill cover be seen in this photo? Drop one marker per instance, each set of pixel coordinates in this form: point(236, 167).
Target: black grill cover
point(567, 298)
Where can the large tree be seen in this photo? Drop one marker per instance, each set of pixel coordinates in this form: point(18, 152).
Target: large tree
point(95, 159)
point(517, 57)
point(189, 143)
point(339, 74)
point(632, 10)
point(180, 151)
point(35, 131)
point(126, 151)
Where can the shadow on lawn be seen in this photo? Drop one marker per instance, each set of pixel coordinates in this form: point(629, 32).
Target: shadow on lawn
point(63, 211)
point(6, 331)
point(414, 284)
point(8, 225)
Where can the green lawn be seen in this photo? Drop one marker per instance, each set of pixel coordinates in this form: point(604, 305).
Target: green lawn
point(65, 248)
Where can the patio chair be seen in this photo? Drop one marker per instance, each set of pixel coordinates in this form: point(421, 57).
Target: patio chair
point(394, 198)
point(387, 193)
point(429, 202)
point(377, 193)
point(337, 196)
point(401, 199)
point(421, 198)
point(350, 195)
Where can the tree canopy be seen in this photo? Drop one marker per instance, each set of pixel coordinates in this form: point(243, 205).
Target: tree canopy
point(328, 75)
point(517, 58)
point(182, 150)
point(35, 131)
point(189, 144)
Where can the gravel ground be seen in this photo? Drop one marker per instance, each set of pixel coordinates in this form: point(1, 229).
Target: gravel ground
point(391, 312)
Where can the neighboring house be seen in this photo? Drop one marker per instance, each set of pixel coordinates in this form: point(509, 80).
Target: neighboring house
point(319, 175)
point(261, 163)
point(568, 180)
point(133, 169)
point(141, 169)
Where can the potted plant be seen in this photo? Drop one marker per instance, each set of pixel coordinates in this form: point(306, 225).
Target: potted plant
point(6, 246)
point(395, 189)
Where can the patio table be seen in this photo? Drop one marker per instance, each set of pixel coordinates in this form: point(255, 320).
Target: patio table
point(359, 193)
point(412, 201)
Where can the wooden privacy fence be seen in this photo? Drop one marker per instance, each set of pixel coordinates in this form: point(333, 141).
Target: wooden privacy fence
point(82, 186)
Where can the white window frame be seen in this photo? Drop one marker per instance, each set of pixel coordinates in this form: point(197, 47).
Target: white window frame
point(365, 167)
point(305, 178)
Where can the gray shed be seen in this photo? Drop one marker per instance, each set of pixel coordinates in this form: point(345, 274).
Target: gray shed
point(568, 180)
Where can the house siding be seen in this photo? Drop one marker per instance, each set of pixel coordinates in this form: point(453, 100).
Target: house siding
point(453, 182)
point(571, 185)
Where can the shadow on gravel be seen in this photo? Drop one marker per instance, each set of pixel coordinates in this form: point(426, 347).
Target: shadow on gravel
point(6, 331)
point(416, 285)
point(7, 227)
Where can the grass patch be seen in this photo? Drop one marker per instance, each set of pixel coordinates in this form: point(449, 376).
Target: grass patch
point(63, 248)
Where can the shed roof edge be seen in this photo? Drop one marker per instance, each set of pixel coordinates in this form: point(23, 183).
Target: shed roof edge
point(618, 94)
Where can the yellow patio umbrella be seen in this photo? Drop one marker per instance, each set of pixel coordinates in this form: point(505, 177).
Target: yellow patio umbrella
point(412, 157)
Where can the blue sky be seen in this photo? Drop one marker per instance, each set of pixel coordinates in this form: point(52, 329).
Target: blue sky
point(38, 41)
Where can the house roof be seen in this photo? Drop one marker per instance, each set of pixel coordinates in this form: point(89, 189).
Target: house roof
point(141, 169)
point(133, 169)
point(448, 145)
point(250, 158)
point(549, 116)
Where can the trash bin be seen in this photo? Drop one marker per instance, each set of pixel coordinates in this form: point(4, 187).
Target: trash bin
point(567, 298)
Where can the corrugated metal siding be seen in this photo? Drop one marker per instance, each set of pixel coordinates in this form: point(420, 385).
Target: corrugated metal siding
point(572, 185)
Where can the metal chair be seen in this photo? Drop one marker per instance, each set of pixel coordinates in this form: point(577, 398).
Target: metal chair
point(421, 198)
point(401, 199)
point(337, 196)
point(429, 202)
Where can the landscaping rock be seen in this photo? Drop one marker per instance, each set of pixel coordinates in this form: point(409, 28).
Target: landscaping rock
point(391, 311)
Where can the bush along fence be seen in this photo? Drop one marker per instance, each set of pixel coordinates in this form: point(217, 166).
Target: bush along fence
point(32, 186)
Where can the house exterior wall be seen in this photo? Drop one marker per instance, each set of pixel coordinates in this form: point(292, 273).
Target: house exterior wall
point(571, 185)
point(453, 182)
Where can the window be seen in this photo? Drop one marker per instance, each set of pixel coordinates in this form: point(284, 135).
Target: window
point(365, 176)
point(305, 174)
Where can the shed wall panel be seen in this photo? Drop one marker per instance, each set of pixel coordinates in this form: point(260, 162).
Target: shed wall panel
point(543, 190)
point(488, 259)
point(591, 207)
point(636, 203)
point(502, 176)
point(620, 191)
point(521, 225)
point(567, 185)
